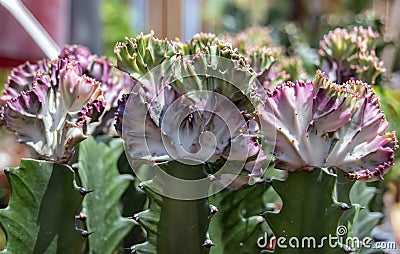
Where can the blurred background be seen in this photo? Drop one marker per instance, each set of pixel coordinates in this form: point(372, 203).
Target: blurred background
point(298, 25)
point(98, 24)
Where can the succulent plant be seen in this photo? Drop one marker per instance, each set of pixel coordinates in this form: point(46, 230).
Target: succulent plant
point(189, 113)
point(320, 124)
point(199, 42)
point(55, 113)
point(350, 55)
point(325, 136)
point(154, 99)
point(114, 83)
point(137, 56)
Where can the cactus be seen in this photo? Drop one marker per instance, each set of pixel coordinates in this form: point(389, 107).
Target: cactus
point(40, 217)
point(164, 123)
point(54, 115)
point(193, 129)
point(171, 224)
point(355, 144)
point(21, 79)
point(309, 209)
point(358, 220)
point(114, 83)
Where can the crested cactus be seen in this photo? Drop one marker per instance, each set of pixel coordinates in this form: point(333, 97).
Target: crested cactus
point(114, 83)
point(344, 121)
point(21, 79)
point(53, 116)
point(183, 119)
point(340, 129)
point(51, 106)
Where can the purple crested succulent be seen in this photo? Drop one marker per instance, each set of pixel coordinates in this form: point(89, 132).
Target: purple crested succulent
point(182, 112)
point(21, 79)
point(350, 55)
point(54, 114)
point(320, 124)
point(114, 83)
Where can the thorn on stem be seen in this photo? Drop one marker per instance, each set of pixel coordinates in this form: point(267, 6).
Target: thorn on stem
point(135, 217)
point(81, 216)
point(85, 233)
point(213, 209)
point(83, 191)
point(208, 243)
point(345, 207)
point(75, 167)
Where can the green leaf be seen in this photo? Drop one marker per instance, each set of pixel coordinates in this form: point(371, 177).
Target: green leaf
point(360, 220)
point(238, 224)
point(40, 217)
point(99, 173)
point(309, 210)
point(133, 201)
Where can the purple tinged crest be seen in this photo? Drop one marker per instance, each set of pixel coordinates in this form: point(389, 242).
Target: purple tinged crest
point(55, 113)
point(76, 89)
point(322, 124)
point(21, 79)
point(113, 83)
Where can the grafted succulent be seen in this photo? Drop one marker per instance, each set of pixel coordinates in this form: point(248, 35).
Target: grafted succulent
point(55, 113)
point(350, 55)
point(114, 83)
point(320, 124)
point(189, 115)
point(206, 92)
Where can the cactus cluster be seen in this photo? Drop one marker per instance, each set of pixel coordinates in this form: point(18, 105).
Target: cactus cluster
point(196, 118)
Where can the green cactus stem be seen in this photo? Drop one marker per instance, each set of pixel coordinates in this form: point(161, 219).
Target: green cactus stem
point(172, 225)
point(40, 217)
point(309, 210)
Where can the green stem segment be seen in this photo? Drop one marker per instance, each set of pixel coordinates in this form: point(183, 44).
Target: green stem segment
point(309, 210)
point(182, 225)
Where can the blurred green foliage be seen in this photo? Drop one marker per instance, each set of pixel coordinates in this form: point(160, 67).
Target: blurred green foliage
point(308, 19)
point(3, 77)
point(115, 20)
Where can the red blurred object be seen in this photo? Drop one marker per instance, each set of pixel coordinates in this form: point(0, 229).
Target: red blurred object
point(16, 46)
